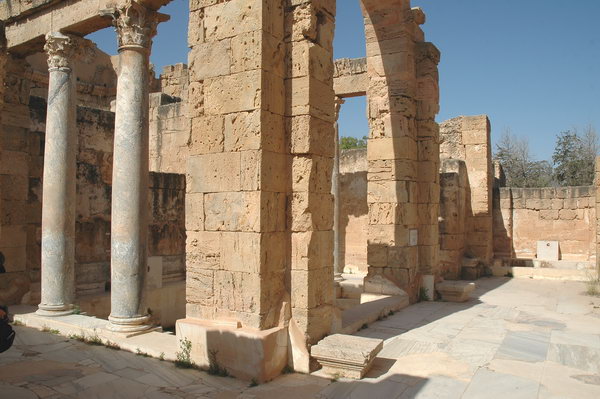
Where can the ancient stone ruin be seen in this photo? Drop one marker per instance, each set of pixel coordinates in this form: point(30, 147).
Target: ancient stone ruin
point(215, 199)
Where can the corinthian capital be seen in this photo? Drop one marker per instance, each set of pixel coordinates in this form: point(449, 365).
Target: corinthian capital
point(60, 49)
point(135, 24)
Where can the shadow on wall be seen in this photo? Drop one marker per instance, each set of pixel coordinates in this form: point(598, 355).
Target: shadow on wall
point(503, 224)
point(355, 210)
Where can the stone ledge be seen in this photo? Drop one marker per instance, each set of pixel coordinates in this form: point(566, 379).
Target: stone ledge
point(372, 308)
point(151, 342)
point(455, 291)
point(346, 356)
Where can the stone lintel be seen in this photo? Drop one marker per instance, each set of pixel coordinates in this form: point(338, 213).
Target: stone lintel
point(350, 77)
point(346, 356)
point(25, 29)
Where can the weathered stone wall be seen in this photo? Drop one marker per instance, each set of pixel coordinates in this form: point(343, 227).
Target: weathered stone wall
point(468, 138)
point(455, 206)
point(174, 81)
point(310, 116)
point(523, 216)
point(403, 161)
point(237, 166)
point(354, 215)
point(20, 181)
point(169, 133)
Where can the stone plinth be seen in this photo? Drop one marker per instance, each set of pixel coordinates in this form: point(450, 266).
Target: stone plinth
point(455, 291)
point(245, 353)
point(346, 355)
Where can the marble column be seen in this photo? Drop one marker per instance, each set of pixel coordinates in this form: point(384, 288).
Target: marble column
point(58, 197)
point(135, 26)
point(338, 267)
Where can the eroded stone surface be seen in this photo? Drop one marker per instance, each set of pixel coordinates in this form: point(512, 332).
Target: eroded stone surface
point(346, 355)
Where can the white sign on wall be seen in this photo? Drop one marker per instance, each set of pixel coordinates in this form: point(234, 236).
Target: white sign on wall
point(413, 237)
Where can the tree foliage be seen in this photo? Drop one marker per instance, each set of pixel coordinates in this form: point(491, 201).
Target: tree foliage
point(573, 160)
point(348, 143)
point(574, 157)
point(519, 167)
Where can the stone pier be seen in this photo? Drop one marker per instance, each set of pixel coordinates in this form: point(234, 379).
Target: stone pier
point(135, 26)
point(58, 205)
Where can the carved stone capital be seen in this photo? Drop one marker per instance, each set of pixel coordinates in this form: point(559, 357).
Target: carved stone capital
point(135, 24)
point(60, 49)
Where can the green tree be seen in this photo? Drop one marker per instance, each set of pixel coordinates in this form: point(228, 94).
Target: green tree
point(348, 143)
point(574, 157)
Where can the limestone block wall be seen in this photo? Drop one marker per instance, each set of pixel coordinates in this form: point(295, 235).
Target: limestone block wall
point(20, 179)
point(468, 138)
point(455, 206)
point(237, 165)
point(563, 214)
point(169, 129)
point(174, 81)
point(354, 217)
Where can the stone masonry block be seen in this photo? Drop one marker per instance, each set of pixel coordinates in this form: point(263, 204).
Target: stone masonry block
point(214, 173)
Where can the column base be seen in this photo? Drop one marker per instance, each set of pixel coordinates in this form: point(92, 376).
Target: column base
point(128, 325)
point(245, 353)
point(54, 310)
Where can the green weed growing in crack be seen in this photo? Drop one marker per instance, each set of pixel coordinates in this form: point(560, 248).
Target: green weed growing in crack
point(50, 330)
point(183, 358)
point(214, 368)
point(423, 294)
point(94, 340)
point(139, 352)
point(112, 345)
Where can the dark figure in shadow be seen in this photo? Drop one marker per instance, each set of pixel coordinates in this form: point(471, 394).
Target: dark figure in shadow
point(7, 335)
point(2, 259)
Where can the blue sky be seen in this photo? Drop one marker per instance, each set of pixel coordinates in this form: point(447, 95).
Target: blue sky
point(533, 66)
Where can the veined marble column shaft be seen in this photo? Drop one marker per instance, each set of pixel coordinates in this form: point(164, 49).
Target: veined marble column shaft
point(135, 26)
point(338, 267)
point(58, 197)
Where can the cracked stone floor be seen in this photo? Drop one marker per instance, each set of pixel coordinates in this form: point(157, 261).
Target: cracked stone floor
point(517, 338)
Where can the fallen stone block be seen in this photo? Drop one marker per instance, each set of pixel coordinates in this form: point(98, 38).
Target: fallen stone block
point(346, 356)
point(455, 291)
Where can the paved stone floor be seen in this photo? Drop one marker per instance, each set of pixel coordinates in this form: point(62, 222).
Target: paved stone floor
point(518, 338)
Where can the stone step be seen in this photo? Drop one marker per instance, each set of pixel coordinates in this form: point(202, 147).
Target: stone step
point(352, 286)
point(455, 291)
point(544, 273)
point(377, 307)
point(346, 303)
point(346, 356)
